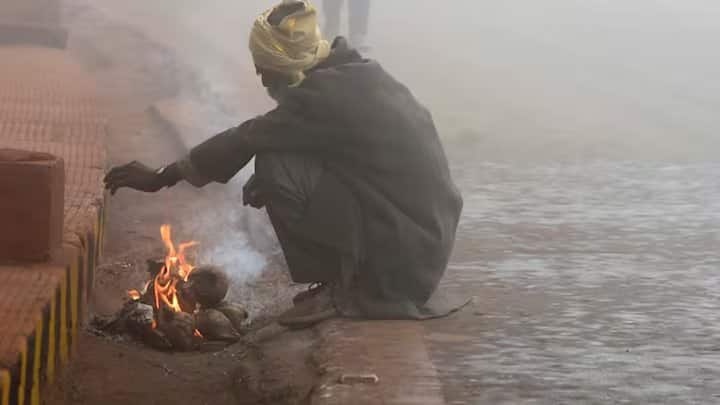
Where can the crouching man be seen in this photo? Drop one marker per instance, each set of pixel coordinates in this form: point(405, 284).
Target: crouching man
point(349, 168)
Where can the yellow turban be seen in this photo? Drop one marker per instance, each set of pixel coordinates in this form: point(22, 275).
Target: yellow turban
point(292, 47)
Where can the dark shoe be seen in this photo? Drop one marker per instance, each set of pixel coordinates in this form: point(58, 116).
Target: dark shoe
point(310, 311)
point(313, 290)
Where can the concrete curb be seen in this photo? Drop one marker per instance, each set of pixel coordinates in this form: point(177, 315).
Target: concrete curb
point(375, 362)
point(35, 358)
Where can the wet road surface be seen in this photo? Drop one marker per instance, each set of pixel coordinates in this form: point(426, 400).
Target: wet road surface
point(595, 283)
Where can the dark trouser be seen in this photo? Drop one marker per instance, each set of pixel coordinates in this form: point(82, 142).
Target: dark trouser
point(359, 11)
point(286, 183)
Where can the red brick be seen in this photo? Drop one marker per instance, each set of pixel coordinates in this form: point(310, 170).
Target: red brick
point(32, 186)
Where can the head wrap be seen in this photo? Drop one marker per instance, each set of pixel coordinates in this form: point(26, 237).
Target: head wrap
point(293, 46)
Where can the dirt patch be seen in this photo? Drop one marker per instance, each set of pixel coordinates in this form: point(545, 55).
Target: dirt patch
point(280, 369)
point(111, 373)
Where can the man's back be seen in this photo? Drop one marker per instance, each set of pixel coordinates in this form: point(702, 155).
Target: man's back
point(387, 152)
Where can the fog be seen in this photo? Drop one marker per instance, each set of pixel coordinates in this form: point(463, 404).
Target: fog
point(558, 78)
point(516, 81)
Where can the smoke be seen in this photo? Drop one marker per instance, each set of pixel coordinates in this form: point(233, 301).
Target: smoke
point(620, 79)
point(513, 79)
point(224, 243)
point(218, 89)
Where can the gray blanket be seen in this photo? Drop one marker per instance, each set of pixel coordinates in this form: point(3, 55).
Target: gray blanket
point(387, 203)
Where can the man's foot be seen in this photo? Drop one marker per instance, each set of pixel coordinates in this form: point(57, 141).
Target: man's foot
point(313, 290)
point(310, 311)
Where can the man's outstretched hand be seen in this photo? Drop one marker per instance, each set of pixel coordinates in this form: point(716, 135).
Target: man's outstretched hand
point(134, 175)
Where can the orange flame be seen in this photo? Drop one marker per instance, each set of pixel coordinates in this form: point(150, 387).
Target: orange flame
point(176, 268)
point(136, 295)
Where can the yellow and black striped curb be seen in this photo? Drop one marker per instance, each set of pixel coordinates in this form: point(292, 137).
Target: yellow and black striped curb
point(54, 339)
point(48, 103)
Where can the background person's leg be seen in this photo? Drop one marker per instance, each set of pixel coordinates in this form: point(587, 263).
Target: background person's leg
point(359, 19)
point(332, 10)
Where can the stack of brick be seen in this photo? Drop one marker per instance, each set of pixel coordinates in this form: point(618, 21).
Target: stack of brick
point(48, 104)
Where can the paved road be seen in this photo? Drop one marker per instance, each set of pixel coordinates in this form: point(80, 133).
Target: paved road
point(596, 283)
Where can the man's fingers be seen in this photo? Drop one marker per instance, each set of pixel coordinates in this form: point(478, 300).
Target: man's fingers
point(121, 171)
point(117, 184)
point(109, 175)
point(115, 173)
point(114, 185)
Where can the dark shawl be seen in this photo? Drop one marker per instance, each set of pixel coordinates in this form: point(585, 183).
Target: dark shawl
point(387, 200)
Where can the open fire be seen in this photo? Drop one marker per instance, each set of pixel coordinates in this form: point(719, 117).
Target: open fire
point(181, 306)
point(172, 275)
point(175, 270)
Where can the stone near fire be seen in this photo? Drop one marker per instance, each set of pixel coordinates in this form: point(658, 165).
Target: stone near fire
point(235, 313)
point(140, 316)
point(178, 328)
point(32, 187)
point(214, 325)
point(208, 285)
point(139, 322)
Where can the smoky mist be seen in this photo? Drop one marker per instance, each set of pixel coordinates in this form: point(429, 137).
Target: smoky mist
point(621, 79)
point(513, 81)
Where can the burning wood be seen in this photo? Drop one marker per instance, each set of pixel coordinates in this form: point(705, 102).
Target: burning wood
point(181, 306)
point(175, 272)
point(134, 295)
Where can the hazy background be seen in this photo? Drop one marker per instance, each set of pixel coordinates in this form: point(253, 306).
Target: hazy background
point(557, 81)
point(521, 79)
